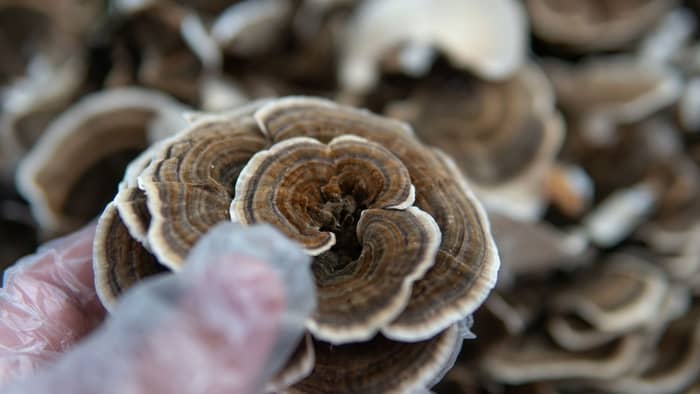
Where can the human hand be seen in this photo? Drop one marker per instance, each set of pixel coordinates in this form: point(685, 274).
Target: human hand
point(224, 325)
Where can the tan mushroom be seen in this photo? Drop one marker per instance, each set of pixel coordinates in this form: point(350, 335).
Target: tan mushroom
point(535, 358)
point(378, 27)
point(573, 332)
point(31, 103)
point(402, 248)
point(381, 365)
point(277, 186)
point(73, 171)
point(674, 362)
point(43, 66)
point(624, 294)
point(590, 25)
point(504, 135)
point(113, 242)
point(605, 92)
point(529, 248)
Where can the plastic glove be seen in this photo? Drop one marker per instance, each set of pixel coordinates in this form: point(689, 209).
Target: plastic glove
point(225, 324)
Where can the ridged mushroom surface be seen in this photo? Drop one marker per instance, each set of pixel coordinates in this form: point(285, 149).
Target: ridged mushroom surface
point(401, 252)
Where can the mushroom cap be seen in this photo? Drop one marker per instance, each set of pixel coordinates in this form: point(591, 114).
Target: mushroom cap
point(403, 250)
point(534, 358)
point(30, 103)
point(398, 197)
point(382, 365)
point(287, 186)
point(607, 91)
point(504, 135)
point(119, 261)
point(61, 176)
point(377, 27)
point(674, 361)
point(449, 290)
point(590, 25)
point(625, 293)
point(529, 248)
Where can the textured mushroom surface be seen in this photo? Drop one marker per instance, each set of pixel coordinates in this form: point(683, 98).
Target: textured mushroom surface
point(626, 293)
point(70, 175)
point(614, 90)
point(402, 249)
point(594, 24)
point(380, 365)
point(504, 135)
point(43, 68)
point(373, 33)
point(535, 358)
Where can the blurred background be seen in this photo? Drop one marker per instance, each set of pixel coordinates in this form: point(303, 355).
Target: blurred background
point(575, 122)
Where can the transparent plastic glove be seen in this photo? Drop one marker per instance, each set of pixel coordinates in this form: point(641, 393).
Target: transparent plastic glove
point(223, 325)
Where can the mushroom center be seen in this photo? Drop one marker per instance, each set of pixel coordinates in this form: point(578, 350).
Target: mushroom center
point(339, 213)
point(315, 193)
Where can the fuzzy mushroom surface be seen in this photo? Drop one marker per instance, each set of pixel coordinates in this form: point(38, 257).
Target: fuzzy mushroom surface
point(402, 249)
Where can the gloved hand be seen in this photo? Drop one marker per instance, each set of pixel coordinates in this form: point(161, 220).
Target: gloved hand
point(224, 324)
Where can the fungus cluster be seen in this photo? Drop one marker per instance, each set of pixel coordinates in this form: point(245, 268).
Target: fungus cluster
point(413, 148)
point(402, 253)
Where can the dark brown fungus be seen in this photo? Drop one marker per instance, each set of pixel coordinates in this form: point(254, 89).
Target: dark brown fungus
point(402, 249)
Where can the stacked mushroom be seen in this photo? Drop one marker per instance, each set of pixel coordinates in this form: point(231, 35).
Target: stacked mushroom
point(580, 318)
point(574, 123)
point(403, 254)
point(625, 329)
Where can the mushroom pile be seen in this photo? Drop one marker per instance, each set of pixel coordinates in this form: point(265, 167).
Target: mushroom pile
point(531, 167)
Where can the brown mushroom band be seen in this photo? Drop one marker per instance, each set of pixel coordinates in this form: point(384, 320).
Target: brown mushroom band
point(350, 204)
point(380, 365)
point(495, 130)
point(403, 250)
point(581, 25)
point(466, 262)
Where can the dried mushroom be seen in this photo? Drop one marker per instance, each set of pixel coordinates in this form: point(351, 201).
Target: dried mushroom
point(674, 363)
point(373, 33)
point(69, 176)
point(596, 332)
point(589, 25)
point(626, 293)
point(535, 358)
point(43, 65)
point(527, 248)
point(574, 123)
point(504, 135)
point(402, 249)
point(608, 91)
point(381, 365)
